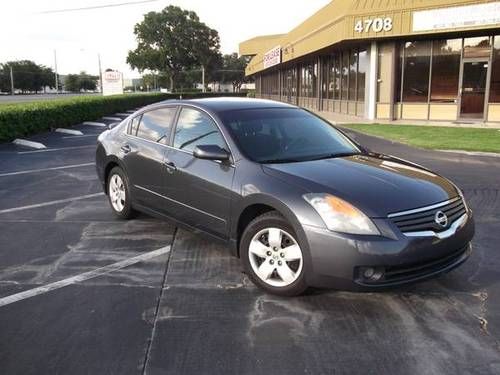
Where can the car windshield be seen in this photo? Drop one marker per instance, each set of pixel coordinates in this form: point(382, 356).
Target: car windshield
point(285, 135)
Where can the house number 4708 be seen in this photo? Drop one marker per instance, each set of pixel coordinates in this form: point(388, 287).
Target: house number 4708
point(376, 25)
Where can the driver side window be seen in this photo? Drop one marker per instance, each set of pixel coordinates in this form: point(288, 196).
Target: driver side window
point(196, 128)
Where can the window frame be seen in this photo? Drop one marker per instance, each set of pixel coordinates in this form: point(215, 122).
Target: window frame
point(140, 115)
point(219, 128)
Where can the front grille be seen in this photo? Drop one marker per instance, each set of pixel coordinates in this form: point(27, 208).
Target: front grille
point(420, 220)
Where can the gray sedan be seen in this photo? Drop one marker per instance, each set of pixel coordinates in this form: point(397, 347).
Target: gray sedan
point(298, 201)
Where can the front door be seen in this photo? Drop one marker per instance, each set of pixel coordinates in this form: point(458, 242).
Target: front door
point(201, 189)
point(473, 90)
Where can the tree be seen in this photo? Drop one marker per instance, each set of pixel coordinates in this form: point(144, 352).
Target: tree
point(88, 82)
point(28, 76)
point(79, 82)
point(173, 41)
point(233, 70)
point(72, 83)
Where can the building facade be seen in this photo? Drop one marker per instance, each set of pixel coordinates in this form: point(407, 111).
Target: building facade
point(389, 60)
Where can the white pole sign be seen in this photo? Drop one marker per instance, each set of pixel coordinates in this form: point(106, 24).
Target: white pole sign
point(273, 57)
point(455, 17)
point(112, 83)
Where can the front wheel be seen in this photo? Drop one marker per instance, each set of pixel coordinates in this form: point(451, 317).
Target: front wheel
point(119, 194)
point(272, 256)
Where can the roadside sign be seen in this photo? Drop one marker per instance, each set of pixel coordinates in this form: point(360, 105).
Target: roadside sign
point(112, 83)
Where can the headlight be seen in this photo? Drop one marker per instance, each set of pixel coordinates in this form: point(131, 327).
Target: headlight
point(340, 216)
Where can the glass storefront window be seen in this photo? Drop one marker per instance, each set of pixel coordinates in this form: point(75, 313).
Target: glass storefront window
point(314, 80)
point(345, 75)
point(479, 47)
point(324, 77)
point(338, 78)
point(353, 69)
point(445, 70)
point(495, 73)
point(362, 69)
point(416, 71)
point(331, 77)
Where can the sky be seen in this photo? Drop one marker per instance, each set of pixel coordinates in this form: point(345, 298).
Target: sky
point(31, 30)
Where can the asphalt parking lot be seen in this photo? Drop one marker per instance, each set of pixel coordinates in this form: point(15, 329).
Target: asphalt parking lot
point(84, 293)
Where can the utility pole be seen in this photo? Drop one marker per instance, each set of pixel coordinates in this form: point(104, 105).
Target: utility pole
point(100, 70)
point(203, 77)
point(56, 75)
point(11, 80)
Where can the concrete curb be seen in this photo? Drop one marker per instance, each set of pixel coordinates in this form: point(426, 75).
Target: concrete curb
point(123, 114)
point(68, 131)
point(93, 123)
point(30, 144)
point(473, 153)
point(112, 118)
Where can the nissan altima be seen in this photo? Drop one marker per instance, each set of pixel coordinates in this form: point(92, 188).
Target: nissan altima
point(299, 202)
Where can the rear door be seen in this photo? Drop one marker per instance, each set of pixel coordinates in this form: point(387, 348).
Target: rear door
point(201, 188)
point(144, 155)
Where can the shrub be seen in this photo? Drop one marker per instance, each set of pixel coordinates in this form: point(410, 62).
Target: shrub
point(23, 119)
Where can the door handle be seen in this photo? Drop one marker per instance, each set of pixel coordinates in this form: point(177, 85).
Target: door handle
point(126, 149)
point(170, 166)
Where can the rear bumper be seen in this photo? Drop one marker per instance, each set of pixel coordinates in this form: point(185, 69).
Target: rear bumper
point(339, 260)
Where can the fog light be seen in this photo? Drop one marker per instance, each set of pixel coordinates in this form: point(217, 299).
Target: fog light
point(368, 273)
point(372, 273)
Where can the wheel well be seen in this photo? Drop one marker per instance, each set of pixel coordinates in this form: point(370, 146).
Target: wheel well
point(248, 214)
point(108, 169)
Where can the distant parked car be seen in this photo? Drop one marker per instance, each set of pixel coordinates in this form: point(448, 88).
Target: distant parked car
point(298, 201)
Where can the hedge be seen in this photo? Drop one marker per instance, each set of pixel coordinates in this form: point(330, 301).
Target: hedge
point(23, 119)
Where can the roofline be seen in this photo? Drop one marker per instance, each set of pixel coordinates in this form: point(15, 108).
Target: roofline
point(334, 23)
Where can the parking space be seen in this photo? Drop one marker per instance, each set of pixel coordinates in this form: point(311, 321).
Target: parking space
point(83, 292)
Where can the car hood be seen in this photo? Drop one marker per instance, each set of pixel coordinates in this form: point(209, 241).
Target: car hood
point(377, 184)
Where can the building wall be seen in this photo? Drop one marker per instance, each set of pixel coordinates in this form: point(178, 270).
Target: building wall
point(421, 79)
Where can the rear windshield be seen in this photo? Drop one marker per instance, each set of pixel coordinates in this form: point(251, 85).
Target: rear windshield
point(281, 135)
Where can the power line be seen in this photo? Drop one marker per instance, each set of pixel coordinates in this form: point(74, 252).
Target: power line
point(96, 7)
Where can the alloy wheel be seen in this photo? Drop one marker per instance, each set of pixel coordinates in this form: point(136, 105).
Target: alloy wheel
point(275, 257)
point(117, 192)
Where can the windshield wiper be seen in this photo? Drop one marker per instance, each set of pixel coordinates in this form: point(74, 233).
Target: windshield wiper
point(333, 156)
point(280, 161)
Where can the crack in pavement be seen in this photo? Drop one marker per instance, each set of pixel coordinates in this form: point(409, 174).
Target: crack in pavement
point(147, 355)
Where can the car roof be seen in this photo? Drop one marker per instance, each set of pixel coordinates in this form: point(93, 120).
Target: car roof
point(222, 104)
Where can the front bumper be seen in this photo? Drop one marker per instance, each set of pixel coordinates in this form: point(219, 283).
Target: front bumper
point(339, 260)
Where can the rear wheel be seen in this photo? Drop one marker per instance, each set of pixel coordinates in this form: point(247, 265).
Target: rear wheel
point(272, 256)
point(119, 194)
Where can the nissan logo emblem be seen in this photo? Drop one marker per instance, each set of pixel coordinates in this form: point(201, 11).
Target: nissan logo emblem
point(441, 219)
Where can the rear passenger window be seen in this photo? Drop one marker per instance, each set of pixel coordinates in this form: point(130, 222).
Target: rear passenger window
point(196, 128)
point(155, 125)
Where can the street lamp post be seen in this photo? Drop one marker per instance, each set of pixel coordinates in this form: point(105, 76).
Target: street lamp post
point(55, 74)
point(100, 70)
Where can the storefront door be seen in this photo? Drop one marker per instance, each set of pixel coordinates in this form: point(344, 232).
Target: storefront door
point(473, 89)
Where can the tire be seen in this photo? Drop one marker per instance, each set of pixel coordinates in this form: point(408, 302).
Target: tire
point(119, 194)
point(272, 256)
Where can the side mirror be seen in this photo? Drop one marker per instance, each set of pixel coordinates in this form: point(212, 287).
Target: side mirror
point(210, 152)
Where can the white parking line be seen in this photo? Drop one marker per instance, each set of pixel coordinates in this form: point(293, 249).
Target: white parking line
point(81, 136)
point(68, 131)
point(26, 143)
point(93, 123)
point(82, 277)
point(45, 169)
point(55, 149)
point(50, 203)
